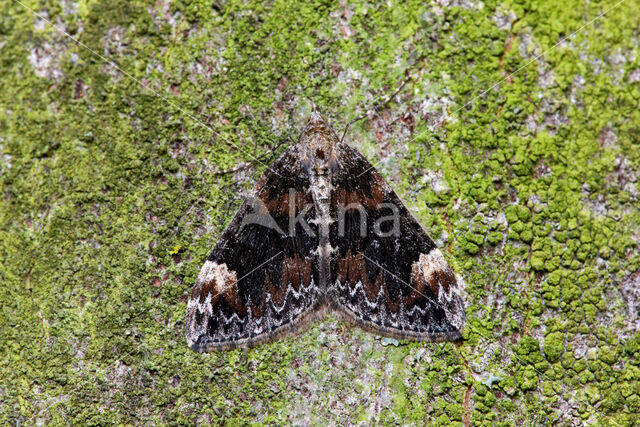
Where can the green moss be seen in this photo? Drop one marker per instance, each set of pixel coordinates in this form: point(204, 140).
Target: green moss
point(537, 260)
point(554, 346)
point(607, 355)
point(527, 378)
point(614, 401)
point(109, 205)
point(516, 213)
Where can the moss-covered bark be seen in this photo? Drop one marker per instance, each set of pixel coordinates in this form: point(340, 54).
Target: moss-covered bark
point(109, 205)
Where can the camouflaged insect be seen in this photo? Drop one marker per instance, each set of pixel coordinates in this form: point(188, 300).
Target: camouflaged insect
point(322, 230)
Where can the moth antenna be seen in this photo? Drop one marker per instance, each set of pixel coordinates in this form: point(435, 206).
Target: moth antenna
point(254, 160)
point(379, 103)
point(346, 128)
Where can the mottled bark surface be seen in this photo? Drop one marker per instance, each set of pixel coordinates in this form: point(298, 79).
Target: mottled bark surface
point(520, 157)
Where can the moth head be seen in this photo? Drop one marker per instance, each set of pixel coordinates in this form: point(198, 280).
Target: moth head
point(317, 143)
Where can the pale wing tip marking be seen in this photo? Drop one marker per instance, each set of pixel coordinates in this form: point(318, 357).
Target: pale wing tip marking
point(213, 279)
point(435, 270)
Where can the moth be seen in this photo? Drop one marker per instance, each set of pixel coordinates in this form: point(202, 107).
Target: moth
point(322, 231)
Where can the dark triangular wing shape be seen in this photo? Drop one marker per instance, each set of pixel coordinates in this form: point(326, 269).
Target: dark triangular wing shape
point(258, 281)
point(387, 275)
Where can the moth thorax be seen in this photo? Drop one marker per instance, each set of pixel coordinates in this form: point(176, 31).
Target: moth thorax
point(318, 150)
point(321, 160)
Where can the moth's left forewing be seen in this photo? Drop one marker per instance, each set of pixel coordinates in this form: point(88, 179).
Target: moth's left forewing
point(388, 276)
point(259, 280)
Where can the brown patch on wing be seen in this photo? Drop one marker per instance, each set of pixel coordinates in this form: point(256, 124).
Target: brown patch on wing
point(342, 197)
point(293, 270)
point(231, 296)
point(419, 286)
point(430, 271)
point(352, 269)
point(432, 281)
point(280, 205)
point(393, 306)
point(220, 283)
point(296, 271)
point(258, 310)
point(278, 294)
point(200, 292)
point(445, 277)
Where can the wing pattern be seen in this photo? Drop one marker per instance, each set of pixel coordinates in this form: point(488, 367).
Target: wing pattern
point(322, 229)
point(259, 280)
point(387, 274)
